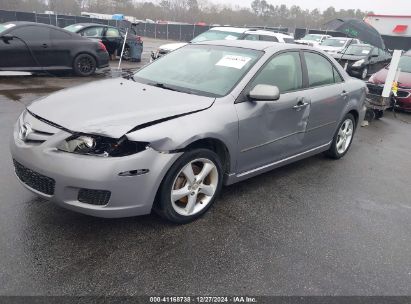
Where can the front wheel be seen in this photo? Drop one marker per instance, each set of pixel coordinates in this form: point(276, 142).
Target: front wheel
point(190, 187)
point(364, 73)
point(84, 65)
point(343, 137)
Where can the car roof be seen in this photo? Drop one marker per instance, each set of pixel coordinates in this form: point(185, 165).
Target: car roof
point(89, 24)
point(230, 29)
point(23, 23)
point(257, 45)
point(363, 44)
point(268, 33)
point(340, 38)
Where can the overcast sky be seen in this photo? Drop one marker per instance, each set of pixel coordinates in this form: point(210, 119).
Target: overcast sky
point(402, 7)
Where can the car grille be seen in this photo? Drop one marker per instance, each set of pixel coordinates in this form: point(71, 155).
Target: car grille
point(94, 197)
point(34, 180)
point(403, 94)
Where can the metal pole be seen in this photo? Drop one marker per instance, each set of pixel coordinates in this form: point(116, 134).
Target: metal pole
point(122, 50)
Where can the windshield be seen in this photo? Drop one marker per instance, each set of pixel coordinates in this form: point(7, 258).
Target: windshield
point(216, 35)
point(405, 64)
point(74, 28)
point(358, 50)
point(4, 27)
point(334, 42)
point(311, 37)
point(200, 69)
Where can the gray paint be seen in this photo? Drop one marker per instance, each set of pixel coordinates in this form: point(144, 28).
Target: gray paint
point(259, 135)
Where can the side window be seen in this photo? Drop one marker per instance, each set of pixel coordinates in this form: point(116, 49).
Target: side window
point(112, 32)
point(92, 32)
point(59, 35)
point(251, 37)
point(337, 76)
point(268, 38)
point(283, 71)
point(32, 33)
point(320, 70)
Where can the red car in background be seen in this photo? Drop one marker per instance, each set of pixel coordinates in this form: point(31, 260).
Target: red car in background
point(404, 82)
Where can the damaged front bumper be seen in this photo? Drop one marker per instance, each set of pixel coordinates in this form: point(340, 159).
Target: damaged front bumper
point(99, 186)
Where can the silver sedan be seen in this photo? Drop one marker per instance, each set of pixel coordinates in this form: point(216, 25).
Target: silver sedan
point(168, 137)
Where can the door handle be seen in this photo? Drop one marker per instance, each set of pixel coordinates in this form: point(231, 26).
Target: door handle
point(45, 45)
point(301, 104)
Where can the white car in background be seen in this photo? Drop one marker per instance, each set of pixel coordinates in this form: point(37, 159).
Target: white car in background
point(313, 39)
point(215, 33)
point(336, 45)
point(264, 35)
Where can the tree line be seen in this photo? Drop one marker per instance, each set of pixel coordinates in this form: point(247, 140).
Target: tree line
point(260, 12)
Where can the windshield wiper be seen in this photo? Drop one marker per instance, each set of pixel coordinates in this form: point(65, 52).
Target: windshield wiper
point(163, 86)
point(166, 87)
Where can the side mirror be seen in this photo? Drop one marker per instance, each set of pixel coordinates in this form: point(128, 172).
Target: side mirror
point(264, 92)
point(6, 38)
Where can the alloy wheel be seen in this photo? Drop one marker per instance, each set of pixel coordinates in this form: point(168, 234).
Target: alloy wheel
point(345, 135)
point(194, 187)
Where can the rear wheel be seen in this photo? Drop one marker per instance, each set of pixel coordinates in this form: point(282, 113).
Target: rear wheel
point(190, 187)
point(378, 114)
point(84, 65)
point(126, 53)
point(343, 137)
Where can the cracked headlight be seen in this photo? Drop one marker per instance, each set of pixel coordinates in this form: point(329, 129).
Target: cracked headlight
point(358, 63)
point(101, 146)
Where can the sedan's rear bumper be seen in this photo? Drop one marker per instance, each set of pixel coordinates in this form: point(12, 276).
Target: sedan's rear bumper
point(91, 177)
point(103, 59)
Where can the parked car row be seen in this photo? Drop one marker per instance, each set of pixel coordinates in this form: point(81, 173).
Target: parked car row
point(81, 48)
point(226, 33)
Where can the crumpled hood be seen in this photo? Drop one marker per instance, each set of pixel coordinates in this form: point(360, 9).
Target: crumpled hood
point(113, 107)
point(172, 46)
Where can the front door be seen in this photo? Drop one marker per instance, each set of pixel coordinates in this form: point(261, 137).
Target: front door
point(273, 130)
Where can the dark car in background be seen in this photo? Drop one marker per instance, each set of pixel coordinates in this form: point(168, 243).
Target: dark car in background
point(28, 46)
point(404, 82)
point(112, 37)
point(361, 60)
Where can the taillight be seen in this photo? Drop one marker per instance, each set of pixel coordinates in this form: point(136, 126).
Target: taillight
point(102, 46)
point(138, 38)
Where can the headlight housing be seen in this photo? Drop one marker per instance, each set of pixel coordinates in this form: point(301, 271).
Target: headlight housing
point(358, 63)
point(101, 146)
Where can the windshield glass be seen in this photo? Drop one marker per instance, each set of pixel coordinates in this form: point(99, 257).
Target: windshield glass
point(216, 35)
point(358, 50)
point(200, 69)
point(312, 37)
point(4, 27)
point(405, 64)
point(74, 28)
point(334, 42)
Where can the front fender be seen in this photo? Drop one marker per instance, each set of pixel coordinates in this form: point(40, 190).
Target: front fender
point(218, 122)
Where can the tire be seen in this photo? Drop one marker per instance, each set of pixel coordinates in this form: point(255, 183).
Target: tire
point(126, 53)
point(181, 201)
point(339, 146)
point(364, 73)
point(379, 114)
point(84, 65)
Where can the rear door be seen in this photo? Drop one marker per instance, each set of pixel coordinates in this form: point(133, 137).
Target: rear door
point(272, 130)
point(328, 99)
